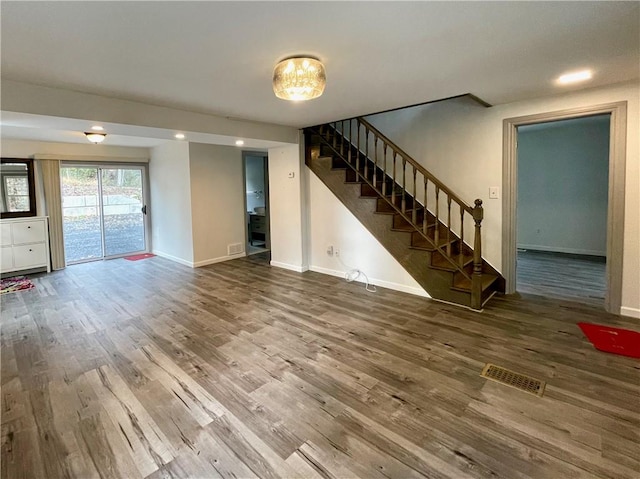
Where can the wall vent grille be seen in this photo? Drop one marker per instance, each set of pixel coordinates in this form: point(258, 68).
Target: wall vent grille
point(515, 380)
point(235, 248)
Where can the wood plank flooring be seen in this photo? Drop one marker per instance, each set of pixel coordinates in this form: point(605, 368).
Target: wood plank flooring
point(563, 276)
point(119, 369)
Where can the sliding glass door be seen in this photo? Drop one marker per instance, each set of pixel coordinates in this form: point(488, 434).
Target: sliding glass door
point(103, 211)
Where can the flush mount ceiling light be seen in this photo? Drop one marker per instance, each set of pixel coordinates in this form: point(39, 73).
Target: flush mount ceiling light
point(575, 77)
point(239, 142)
point(95, 137)
point(299, 79)
point(179, 136)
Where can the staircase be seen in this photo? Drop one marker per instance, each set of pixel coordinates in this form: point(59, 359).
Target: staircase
point(432, 233)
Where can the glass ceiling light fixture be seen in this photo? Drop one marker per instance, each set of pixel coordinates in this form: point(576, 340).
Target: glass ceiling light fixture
point(95, 137)
point(299, 79)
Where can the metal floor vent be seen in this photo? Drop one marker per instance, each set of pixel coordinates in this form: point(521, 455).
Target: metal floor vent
point(515, 380)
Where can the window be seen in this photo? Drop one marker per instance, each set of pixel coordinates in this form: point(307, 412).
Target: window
point(17, 195)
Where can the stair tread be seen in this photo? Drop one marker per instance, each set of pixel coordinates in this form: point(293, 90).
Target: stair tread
point(421, 242)
point(461, 283)
point(438, 261)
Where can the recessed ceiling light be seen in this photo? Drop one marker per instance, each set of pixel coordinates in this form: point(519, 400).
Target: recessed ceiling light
point(180, 136)
point(97, 128)
point(239, 142)
point(575, 77)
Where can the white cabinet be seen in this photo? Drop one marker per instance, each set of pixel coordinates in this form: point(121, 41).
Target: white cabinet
point(24, 244)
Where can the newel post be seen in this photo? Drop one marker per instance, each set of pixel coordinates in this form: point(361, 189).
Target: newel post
point(476, 278)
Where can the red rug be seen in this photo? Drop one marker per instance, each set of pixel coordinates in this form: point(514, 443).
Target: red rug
point(613, 340)
point(137, 257)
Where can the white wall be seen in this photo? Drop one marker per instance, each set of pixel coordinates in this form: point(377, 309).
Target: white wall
point(170, 202)
point(563, 181)
point(41, 100)
point(453, 137)
point(73, 151)
point(331, 223)
point(286, 206)
point(217, 202)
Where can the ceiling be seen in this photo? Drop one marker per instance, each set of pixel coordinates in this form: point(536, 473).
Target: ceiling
point(218, 57)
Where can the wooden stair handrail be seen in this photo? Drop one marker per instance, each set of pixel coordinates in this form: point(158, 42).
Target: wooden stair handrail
point(416, 165)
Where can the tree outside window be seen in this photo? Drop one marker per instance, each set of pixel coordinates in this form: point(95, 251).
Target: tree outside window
point(17, 193)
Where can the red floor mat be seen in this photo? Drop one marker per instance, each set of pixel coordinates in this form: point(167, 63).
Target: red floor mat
point(136, 257)
point(613, 340)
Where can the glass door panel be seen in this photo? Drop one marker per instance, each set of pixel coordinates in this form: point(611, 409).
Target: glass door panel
point(102, 212)
point(122, 204)
point(81, 217)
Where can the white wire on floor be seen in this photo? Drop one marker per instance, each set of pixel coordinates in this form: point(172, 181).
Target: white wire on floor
point(353, 273)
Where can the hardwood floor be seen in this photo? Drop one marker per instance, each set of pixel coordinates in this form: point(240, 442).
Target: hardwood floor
point(119, 369)
point(563, 276)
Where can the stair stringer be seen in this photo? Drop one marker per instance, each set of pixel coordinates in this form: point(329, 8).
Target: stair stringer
point(437, 283)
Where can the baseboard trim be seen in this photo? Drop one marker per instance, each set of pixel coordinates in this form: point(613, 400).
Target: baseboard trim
point(290, 267)
point(403, 288)
point(221, 259)
point(173, 258)
point(631, 312)
point(554, 249)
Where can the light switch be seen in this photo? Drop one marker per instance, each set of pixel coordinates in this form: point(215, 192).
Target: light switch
point(291, 174)
point(494, 192)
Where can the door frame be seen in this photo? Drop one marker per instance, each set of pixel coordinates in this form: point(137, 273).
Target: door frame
point(145, 202)
point(615, 207)
point(265, 156)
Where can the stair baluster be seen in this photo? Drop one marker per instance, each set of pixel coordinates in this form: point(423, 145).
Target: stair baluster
point(375, 161)
point(436, 234)
point(335, 135)
point(393, 185)
point(424, 217)
point(358, 148)
point(448, 225)
point(350, 143)
point(414, 210)
point(384, 178)
point(461, 244)
point(404, 189)
point(366, 152)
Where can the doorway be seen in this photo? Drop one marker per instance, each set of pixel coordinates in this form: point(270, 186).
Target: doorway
point(103, 211)
point(563, 169)
point(615, 194)
point(256, 173)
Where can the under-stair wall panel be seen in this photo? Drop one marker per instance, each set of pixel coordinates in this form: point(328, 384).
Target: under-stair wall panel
point(332, 224)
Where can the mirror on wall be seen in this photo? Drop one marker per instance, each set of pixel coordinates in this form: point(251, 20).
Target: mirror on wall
point(17, 188)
